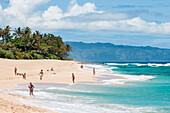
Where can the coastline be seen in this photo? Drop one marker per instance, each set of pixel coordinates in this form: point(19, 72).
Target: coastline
point(57, 92)
point(61, 75)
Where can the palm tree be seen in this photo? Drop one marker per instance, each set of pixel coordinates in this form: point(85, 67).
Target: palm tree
point(1, 33)
point(18, 33)
point(23, 40)
point(26, 37)
point(7, 35)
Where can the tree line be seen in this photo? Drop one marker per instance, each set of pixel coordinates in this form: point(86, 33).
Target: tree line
point(22, 43)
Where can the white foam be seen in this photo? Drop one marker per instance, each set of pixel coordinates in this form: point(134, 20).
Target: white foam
point(140, 64)
point(69, 90)
point(117, 64)
point(71, 84)
point(152, 64)
point(113, 81)
point(168, 64)
point(127, 78)
point(63, 103)
point(157, 65)
point(107, 70)
point(103, 69)
point(63, 107)
point(131, 109)
point(52, 88)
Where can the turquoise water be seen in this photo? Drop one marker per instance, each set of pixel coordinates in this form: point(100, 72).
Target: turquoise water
point(149, 92)
point(154, 93)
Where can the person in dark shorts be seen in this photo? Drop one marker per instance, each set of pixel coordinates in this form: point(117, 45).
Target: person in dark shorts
point(73, 77)
point(31, 87)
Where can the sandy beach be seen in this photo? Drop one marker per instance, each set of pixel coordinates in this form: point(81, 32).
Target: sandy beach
point(62, 74)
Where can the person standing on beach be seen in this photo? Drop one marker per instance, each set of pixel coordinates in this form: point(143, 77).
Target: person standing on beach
point(41, 74)
point(15, 71)
point(31, 87)
point(73, 77)
point(93, 71)
point(82, 66)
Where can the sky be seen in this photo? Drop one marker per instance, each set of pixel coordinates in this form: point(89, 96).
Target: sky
point(121, 22)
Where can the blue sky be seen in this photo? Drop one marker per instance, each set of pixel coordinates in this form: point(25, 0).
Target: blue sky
point(127, 22)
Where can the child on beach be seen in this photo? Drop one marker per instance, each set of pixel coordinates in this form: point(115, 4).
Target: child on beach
point(31, 89)
point(73, 77)
point(24, 76)
point(41, 74)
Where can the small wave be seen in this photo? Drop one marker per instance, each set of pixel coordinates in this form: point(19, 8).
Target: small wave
point(117, 63)
point(157, 65)
point(52, 88)
point(141, 64)
point(104, 69)
point(65, 107)
point(107, 70)
point(131, 109)
point(127, 78)
point(65, 103)
point(69, 90)
point(152, 64)
point(138, 64)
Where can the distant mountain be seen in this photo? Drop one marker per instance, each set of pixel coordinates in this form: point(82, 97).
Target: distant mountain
point(107, 52)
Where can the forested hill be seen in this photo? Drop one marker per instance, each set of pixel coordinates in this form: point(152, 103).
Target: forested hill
point(22, 43)
point(107, 52)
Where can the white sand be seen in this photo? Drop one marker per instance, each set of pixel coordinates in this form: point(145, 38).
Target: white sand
point(63, 74)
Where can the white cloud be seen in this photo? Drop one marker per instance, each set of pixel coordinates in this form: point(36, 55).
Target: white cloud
point(74, 9)
point(52, 13)
point(19, 12)
point(24, 6)
point(85, 17)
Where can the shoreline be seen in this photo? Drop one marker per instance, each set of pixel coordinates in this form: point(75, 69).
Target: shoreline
point(62, 70)
point(61, 76)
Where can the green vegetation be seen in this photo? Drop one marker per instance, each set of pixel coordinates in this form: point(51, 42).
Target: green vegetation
point(107, 52)
point(21, 43)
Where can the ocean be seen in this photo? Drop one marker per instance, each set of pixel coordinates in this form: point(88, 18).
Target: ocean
point(146, 89)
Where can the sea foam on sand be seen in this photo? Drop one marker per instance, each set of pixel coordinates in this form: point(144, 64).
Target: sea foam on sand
point(118, 78)
point(65, 103)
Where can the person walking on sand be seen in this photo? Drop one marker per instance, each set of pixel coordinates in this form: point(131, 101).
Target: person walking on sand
point(73, 77)
point(31, 87)
point(93, 71)
point(15, 71)
point(41, 74)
